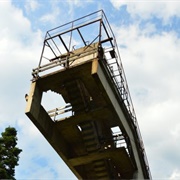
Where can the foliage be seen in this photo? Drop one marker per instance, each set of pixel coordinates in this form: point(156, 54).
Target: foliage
point(9, 153)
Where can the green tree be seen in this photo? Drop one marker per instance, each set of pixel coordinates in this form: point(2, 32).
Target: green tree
point(9, 153)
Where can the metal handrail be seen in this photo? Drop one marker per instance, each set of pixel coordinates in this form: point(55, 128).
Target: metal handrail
point(127, 99)
point(58, 111)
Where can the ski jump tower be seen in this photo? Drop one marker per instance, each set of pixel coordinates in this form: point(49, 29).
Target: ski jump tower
point(96, 131)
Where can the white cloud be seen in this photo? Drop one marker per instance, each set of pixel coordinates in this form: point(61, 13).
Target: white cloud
point(52, 16)
point(146, 9)
point(150, 61)
point(74, 5)
point(78, 3)
point(175, 175)
point(61, 12)
point(13, 26)
point(117, 4)
point(31, 5)
point(17, 42)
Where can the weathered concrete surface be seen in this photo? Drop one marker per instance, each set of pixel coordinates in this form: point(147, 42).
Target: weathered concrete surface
point(104, 111)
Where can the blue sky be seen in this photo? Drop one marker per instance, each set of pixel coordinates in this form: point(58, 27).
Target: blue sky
point(148, 36)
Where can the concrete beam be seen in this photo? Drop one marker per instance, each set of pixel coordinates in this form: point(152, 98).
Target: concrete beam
point(99, 75)
point(106, 154)
point(47, 127)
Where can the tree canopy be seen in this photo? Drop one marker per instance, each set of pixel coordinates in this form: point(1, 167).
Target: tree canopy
point(9, 153)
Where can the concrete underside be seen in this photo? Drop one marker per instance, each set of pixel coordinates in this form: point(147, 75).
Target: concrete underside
point(102, 113)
